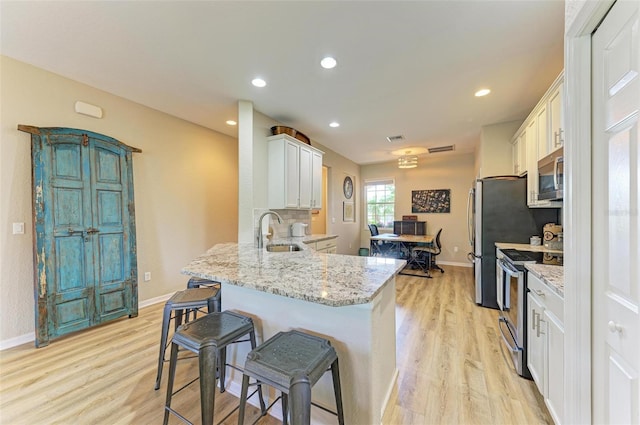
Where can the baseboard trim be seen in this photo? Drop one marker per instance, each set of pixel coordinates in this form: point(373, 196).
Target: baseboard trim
point(31, 336)
point(387, 396)
point(454, 263)
point(19, 340)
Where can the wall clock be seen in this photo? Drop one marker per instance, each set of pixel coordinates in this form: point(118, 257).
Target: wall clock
point(347, 187)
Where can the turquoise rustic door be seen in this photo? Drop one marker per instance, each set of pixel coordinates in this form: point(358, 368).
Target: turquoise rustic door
point(84, 226)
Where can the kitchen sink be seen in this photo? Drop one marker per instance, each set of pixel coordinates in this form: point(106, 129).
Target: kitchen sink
point(283, 248)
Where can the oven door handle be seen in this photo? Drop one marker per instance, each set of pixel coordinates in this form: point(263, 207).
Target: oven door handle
point(501, 321)
point(508, 269)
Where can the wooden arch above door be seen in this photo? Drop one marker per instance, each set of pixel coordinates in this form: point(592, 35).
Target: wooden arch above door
point(85, 265)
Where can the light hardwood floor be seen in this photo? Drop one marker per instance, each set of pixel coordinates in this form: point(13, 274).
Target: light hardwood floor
point(453, 369)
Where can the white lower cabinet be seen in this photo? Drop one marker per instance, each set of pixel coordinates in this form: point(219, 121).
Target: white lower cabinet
point(545, 344)
point(536, 341)
point(327, 246)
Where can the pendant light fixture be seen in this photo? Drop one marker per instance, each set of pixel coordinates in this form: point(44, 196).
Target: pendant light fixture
point(408, 161)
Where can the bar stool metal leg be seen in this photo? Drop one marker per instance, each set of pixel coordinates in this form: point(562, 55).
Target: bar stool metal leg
point(335, 373)
point(300, 392)
point(172, 375)
point(207, 362)
point(284, 400)
point(166, 317)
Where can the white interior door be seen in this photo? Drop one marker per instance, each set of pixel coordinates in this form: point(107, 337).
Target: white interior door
point(616, 223)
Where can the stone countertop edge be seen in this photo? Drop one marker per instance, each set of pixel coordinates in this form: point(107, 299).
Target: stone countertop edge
point(329, 279)
point(526, 247)
point(553, 276)
point(314, 238)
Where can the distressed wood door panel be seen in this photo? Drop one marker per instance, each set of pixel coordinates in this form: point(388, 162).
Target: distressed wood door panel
point(111, 218)
point(68, 256)
point(84, 220)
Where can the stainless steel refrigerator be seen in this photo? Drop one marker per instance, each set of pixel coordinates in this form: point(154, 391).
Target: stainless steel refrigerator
point(498, 212)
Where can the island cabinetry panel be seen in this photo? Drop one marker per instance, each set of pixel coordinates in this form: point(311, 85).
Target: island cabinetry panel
point(545, 345)
point(294, 174)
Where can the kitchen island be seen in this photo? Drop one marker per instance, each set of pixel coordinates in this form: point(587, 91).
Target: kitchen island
point(347, 299)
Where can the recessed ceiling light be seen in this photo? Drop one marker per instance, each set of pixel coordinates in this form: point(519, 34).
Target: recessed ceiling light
point(334, 124)
point(258, 82)
point(231, 122)
point(328, 62)
point(482, 92)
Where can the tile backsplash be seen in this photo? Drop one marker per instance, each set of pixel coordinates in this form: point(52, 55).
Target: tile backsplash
point(288, 218)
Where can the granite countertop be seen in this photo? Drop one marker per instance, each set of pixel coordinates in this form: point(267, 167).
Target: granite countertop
point(313, 238)
point(526, 247)
point(329, 279)
point(553, 276)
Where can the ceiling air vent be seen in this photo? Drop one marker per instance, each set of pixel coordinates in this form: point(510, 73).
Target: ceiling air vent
point(442, 149)
point(397, 138)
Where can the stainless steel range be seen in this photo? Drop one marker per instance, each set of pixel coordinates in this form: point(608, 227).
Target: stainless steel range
point(511, 290)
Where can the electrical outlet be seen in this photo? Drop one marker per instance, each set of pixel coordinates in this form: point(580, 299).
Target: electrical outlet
point(350, 246)
point(18, 228)
point(147, 276)
point(455, 249)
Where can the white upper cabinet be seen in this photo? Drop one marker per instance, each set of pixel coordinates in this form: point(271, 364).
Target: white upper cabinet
point(543, 130)
point(293, 176)
point(316, 180)
point(556, 140)
point(305, 178)
point(543, 133)
point(520, 154)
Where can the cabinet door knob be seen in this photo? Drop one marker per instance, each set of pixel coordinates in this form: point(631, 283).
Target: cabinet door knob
point(614, 327)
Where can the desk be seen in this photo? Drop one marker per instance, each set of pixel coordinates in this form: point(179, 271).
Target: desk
point(403, 244)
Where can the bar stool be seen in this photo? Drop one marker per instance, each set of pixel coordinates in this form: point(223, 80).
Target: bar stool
point(179, 303)
point(196, 282)
point(209, 336)
point(292, 362)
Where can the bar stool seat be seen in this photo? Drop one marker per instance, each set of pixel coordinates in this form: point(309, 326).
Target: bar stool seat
point(180, 303)
point(197, 282)
point(292, 362)
point(208, 336)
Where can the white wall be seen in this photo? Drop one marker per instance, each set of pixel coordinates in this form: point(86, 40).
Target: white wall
point(339, 167)
point(185, 184)
point(448, 171)
point(495, 152)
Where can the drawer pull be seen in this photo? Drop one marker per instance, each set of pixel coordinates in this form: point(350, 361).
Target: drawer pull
point(614, 327)
point(539, 292)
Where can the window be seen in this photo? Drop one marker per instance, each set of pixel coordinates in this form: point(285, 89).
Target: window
point(380, 196)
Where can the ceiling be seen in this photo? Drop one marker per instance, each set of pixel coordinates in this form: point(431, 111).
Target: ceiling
point(404, 68)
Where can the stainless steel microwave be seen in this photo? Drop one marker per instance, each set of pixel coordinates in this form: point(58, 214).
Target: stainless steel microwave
point(551, 176)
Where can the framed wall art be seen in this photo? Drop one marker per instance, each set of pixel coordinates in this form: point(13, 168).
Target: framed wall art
point(431, 201)
point(348, 211)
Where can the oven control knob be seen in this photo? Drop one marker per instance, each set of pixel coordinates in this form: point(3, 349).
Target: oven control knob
point(614, 327)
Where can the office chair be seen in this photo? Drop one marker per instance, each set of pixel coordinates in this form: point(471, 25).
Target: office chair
point(379, 247)
point(434, 251)
point(431, 252)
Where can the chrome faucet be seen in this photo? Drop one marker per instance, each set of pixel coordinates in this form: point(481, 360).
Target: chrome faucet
point(260, 241)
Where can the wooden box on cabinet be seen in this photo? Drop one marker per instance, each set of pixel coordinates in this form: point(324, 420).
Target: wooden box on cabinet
point(410, 227)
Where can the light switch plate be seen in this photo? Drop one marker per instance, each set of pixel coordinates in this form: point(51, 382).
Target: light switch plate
point(18, 228)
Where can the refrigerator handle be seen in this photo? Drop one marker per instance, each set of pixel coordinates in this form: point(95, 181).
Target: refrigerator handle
point(470, 216)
